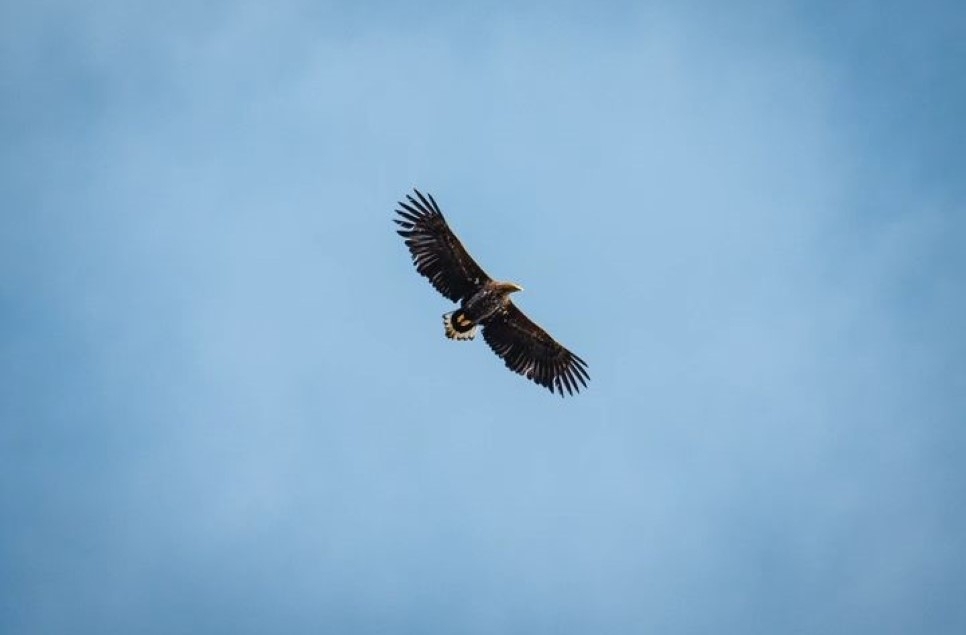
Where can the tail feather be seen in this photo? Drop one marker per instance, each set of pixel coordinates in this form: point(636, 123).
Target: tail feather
point(458, 326)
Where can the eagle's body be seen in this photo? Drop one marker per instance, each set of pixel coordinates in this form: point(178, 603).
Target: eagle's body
point(525, 347)
point(491, 298)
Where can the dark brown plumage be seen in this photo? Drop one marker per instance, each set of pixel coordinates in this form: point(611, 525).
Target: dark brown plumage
point(525, 347)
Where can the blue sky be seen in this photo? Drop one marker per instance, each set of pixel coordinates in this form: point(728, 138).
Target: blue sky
point(227, 402)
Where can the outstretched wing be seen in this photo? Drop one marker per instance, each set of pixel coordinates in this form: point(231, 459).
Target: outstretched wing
point(437, 252)
point(530, 351)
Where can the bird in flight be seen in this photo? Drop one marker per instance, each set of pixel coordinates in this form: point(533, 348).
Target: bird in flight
point(525, 347)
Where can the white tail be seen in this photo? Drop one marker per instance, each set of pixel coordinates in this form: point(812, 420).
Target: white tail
point(459, 330)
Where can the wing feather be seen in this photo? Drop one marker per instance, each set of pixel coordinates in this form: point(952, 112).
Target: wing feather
point(530, 351)
point(436, 251)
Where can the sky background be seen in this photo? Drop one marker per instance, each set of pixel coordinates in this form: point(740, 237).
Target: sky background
point(226, 401)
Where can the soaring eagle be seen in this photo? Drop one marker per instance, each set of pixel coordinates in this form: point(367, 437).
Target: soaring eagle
point(525, 347)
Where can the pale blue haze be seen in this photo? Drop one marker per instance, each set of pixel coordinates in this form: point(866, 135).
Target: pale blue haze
point(227, 405)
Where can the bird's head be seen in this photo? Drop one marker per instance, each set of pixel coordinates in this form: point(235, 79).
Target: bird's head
point(509, 287)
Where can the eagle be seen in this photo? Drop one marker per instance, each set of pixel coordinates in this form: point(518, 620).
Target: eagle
point(484, 302)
